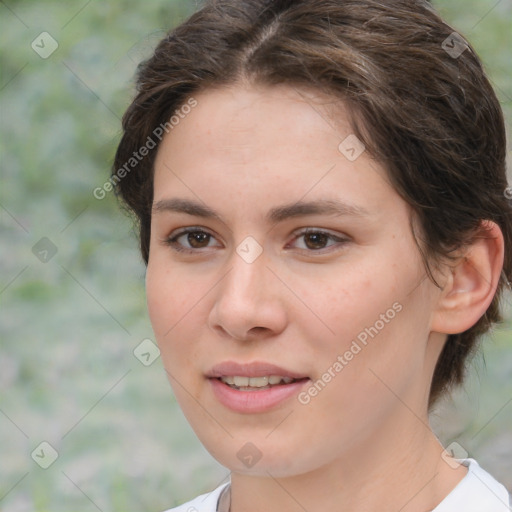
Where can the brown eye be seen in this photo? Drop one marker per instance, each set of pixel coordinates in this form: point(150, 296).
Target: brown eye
point(316, 240)
point(198, 239)
point(192, 240)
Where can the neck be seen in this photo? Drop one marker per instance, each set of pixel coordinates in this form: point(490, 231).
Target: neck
point(398, 469)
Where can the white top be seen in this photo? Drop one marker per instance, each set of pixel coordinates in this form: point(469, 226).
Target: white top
point(478, 491)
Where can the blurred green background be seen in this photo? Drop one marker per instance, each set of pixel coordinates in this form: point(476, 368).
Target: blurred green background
point(70, 321)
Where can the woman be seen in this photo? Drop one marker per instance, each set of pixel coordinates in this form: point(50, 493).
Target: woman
point(321, 193)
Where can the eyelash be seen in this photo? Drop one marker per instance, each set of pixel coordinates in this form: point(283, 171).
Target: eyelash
point(172, 240)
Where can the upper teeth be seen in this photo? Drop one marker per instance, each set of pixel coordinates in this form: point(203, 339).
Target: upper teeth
point(255, 382)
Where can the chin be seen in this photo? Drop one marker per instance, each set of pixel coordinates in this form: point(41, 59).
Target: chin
point(257, 457)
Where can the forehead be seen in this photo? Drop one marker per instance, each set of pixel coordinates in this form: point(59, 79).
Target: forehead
point(263, 143)
point(229, 120)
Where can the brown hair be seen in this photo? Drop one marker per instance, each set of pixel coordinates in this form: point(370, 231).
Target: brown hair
point(425, 110)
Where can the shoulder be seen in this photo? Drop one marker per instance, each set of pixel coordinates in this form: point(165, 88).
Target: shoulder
point(478, 491)
point(204, 503)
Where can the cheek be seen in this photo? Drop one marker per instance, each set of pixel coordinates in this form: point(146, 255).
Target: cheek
point(170, 296)
point(350, 304)
point(173, 305)
point(174, 309)
point(163, 306)
point(376, 316)
point(382, 357)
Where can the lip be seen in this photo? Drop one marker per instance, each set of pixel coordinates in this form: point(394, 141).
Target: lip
point(254, 369)
point(257, 401)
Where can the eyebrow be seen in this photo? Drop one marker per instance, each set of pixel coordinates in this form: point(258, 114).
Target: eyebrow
point(275, 215)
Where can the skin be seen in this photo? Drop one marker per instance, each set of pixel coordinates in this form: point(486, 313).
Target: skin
point(364, 442)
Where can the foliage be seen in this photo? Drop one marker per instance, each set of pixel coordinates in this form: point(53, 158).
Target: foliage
point(68, 375)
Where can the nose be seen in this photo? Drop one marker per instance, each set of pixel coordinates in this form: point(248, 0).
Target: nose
point(249, 303)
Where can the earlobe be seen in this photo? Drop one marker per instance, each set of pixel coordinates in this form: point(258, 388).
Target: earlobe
point(471, 283)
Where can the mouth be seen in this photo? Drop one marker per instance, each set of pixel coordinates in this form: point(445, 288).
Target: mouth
point(255, 387)
point(243, 383)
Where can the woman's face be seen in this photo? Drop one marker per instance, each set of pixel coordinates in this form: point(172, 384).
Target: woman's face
point(279, 249)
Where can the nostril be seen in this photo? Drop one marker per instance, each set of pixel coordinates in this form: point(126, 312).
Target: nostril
point(258, 330)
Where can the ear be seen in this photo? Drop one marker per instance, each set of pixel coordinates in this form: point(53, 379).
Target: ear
point(470, 285)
